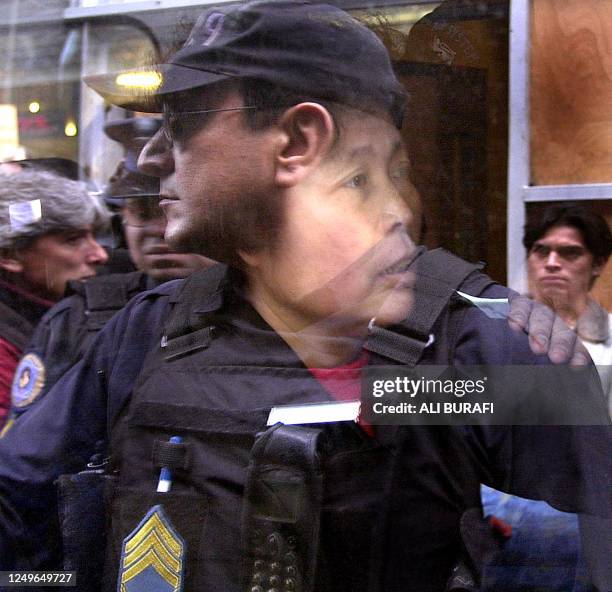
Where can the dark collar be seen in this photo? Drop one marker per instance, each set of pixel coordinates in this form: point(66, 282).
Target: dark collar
point(29, 306)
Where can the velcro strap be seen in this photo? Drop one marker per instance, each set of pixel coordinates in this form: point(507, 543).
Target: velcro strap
point(170, 454)
point(200, 293)
point(188, 343)
point(401, 348)
point(104, 296)
point(97, 319)
point(438, 273)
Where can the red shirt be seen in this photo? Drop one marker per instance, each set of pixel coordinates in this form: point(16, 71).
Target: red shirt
point(9, 358)
point(343, 383)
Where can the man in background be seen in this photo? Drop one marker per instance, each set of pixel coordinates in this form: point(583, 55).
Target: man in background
point(47, 238)
point(567, 249)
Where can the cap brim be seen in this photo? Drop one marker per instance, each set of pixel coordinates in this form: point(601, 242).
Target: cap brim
point(143, 89)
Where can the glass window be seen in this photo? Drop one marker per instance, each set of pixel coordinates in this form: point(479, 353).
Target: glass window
point(313, 190)
point(454, 66)
point(41, 82)
point(451, 56)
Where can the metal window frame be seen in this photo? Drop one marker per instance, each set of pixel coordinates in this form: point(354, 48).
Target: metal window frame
point(518, 139)
point(75, 12)
point(520, 191)
point(87, 12)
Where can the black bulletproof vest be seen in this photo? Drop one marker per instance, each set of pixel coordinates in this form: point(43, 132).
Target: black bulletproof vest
point(92, 304)
point(391, 504)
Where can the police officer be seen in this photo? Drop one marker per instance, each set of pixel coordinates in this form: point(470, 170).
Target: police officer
point(280, 155)
point(67, 329)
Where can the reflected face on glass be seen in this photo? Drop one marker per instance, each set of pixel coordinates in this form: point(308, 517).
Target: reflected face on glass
point(54, 259)
point(144, 226)
point(560, 267)
point(344, 246)
point(341, 243)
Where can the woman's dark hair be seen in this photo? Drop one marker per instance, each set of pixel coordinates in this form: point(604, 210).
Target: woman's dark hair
point(593, 228)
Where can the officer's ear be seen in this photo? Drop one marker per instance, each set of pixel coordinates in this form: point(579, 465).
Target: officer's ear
point(9, 262)
point(307, 134)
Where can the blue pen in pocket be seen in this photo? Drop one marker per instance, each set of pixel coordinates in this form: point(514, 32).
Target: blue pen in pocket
point(165, 475)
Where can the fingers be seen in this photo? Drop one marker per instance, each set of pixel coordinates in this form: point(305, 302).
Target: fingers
point(548, 334)
point(565, 347)
point(562, 342)
point(520, 310)
point(541, 328)
point(580, 355)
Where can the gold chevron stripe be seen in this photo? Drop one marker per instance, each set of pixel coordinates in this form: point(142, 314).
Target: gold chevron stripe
point(149, 559)
point(153, 541)
point(154, 523)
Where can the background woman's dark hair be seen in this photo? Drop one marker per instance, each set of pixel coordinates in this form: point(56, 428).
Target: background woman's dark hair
point(593, 228)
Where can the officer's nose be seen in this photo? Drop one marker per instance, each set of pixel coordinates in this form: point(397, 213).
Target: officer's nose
point(156, 158)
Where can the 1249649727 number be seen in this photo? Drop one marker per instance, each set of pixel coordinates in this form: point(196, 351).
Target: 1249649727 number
point(37, 578)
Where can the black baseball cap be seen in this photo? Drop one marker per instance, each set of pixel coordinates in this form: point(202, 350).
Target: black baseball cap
point(310, 48)
point(133, 133)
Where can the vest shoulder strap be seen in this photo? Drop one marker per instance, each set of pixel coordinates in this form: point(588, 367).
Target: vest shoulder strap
point(188, 325)
point(105, 295)
point(438, 274)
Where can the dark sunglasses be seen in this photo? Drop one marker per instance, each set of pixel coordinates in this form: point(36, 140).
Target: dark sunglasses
point(175, 124)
